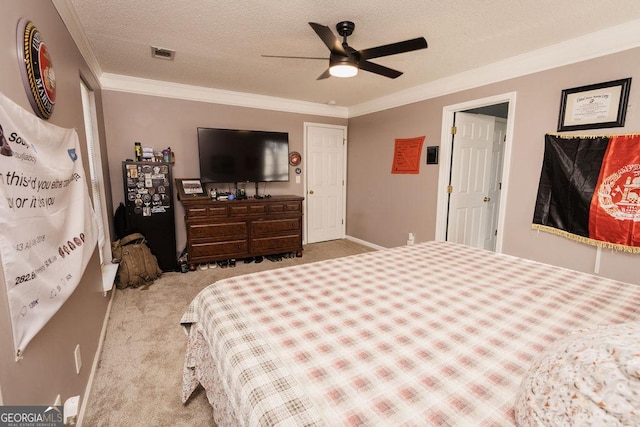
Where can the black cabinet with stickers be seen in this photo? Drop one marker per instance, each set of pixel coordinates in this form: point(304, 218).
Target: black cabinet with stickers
point(148, 194)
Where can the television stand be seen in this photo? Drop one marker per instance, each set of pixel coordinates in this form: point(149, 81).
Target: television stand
point(221, 230)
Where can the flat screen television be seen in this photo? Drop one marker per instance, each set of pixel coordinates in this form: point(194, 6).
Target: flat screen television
point(230, 155)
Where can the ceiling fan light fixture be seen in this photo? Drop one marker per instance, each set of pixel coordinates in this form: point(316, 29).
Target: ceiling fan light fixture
point(343, 70)
point(345, 61)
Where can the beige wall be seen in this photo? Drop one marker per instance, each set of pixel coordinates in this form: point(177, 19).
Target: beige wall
point(382, 208)
point(48, 368)
point(165, 122)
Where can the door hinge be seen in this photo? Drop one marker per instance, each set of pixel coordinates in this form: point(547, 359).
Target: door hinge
point(454, 129)
point(449, 189)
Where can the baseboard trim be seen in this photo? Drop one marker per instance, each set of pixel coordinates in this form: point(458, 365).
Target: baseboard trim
point(96, 360)
point(365, 243)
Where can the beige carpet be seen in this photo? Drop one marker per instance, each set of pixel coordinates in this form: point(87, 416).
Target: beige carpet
point(138, 379)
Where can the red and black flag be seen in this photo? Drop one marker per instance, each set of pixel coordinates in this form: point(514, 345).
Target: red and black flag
point(590, 190)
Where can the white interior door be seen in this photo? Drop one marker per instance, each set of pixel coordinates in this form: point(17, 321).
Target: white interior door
point(470, 204)
point(495, 182)
point(325, 148)
point(449, 116)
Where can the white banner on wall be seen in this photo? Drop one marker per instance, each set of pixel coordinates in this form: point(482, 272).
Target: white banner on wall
point(47, 223)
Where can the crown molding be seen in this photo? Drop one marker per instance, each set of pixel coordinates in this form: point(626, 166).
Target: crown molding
point(116, 82)
point(610, 40)
point(181, 91)
point(70, 18)
point(600, 43)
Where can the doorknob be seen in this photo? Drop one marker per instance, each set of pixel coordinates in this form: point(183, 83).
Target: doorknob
point(486, 199)
point(310, 191)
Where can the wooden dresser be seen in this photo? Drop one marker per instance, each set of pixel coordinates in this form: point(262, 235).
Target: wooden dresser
point(220, 230)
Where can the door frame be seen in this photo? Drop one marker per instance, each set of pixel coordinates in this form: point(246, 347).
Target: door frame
point(446, 151)
point(305, 171)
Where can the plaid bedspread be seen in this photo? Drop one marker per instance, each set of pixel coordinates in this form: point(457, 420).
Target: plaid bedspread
point(431, 334)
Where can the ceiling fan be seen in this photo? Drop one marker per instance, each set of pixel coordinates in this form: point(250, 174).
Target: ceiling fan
point(345, 61)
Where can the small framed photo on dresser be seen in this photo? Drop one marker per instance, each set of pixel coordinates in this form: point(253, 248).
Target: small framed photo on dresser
point(190, 188)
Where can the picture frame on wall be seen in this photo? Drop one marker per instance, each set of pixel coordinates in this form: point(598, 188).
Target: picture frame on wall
point(596, 106)
point(190, 188)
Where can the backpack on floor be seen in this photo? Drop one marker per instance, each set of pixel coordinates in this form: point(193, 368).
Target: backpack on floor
point(138, 266)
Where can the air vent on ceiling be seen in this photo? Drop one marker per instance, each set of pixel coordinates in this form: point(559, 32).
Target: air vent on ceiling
point(162, 53)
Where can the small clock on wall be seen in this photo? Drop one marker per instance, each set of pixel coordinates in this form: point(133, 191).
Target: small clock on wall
point(36, 69)
point(294, 158)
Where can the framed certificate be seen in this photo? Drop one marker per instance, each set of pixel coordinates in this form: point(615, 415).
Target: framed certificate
point(602, 105)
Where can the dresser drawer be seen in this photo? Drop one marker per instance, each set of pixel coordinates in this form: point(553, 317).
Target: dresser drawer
point(195, 212)
point(293, 207)
point(238, 210)
point(276, 245)
point(206, 212)
point(217, 250)
point(224, 231)
point(282, 207)
point(257, 209)
point(267, 227)
point(217, 211)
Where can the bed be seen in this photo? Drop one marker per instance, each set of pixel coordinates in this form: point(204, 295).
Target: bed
point(431, 334)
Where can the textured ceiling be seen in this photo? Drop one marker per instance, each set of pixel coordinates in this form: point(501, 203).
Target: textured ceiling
point(219, 44)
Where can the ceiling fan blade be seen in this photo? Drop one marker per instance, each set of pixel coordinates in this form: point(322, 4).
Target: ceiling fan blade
point(379, 69)
point(329, 39)
point(324, 75)
point(294, 57)
point(394, 48)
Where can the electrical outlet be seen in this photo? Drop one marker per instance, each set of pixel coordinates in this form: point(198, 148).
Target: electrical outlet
point(70, 410)
point(78, 359)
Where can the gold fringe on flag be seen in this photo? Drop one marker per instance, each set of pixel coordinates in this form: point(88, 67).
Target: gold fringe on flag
point(607, 135)
point(582, 239)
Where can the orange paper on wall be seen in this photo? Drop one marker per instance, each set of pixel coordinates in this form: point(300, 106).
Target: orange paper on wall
point(406, 155)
